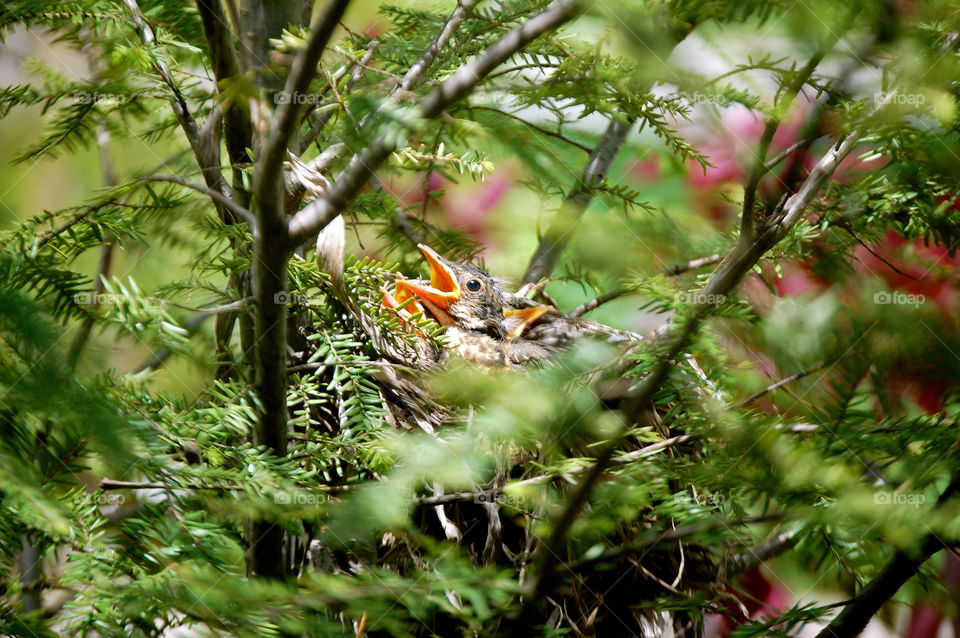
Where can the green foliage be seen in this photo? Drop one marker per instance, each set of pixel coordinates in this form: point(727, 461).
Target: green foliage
point(417, 492)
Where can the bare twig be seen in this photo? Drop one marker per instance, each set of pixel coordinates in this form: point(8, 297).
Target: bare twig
point(111, 484)
point(238, 128)
point(211, 310)
point(218, 197)
point(793, 148)
point(557, 236)
point(285, 120)
point(781, 383)
point(750, 248)
point(49, 236)
point(886, 261)
point(188, 123)
point(693, 264)
point(304, 367)
point(407, 229)
point(468, 76)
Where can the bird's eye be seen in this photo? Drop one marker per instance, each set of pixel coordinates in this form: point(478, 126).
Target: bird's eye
point(473, 285)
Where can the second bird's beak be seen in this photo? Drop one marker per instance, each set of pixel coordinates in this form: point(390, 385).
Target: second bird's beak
point(442, 291)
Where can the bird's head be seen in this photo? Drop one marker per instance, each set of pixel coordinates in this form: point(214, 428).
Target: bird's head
point(458, 295)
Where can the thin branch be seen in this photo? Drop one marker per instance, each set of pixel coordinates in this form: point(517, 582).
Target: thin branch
point(797, 204)
point(468, 76)
point(760, 164)
point(558, 234)
point(319, 365)
point(539, 129)
point(407, 229)
point(212, 310)
point(886, 261)
point(111, 484)
point(616, 293)
point(793, 148)
point(49, 236)
point(183, 114)
point(216, 196)
point(417, 73)
point(307, 222)
point(206, 151)
point(63, 460)
point(770, 548)
point(693, 264)
point(749, 248)
point(238, 127)
point(780, 384)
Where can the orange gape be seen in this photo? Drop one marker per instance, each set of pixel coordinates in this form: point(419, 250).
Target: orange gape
point(516, 321)
point(403, 302)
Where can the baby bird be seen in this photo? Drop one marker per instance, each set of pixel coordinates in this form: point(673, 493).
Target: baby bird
point(469, 303)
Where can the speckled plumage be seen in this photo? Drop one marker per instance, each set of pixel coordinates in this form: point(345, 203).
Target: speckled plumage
point(496, 329)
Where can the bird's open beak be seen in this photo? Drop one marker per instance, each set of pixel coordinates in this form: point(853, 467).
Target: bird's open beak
point(406, 307)
point(517, 321)
point(443, 289)
point(437, 297)
point(401, 300)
